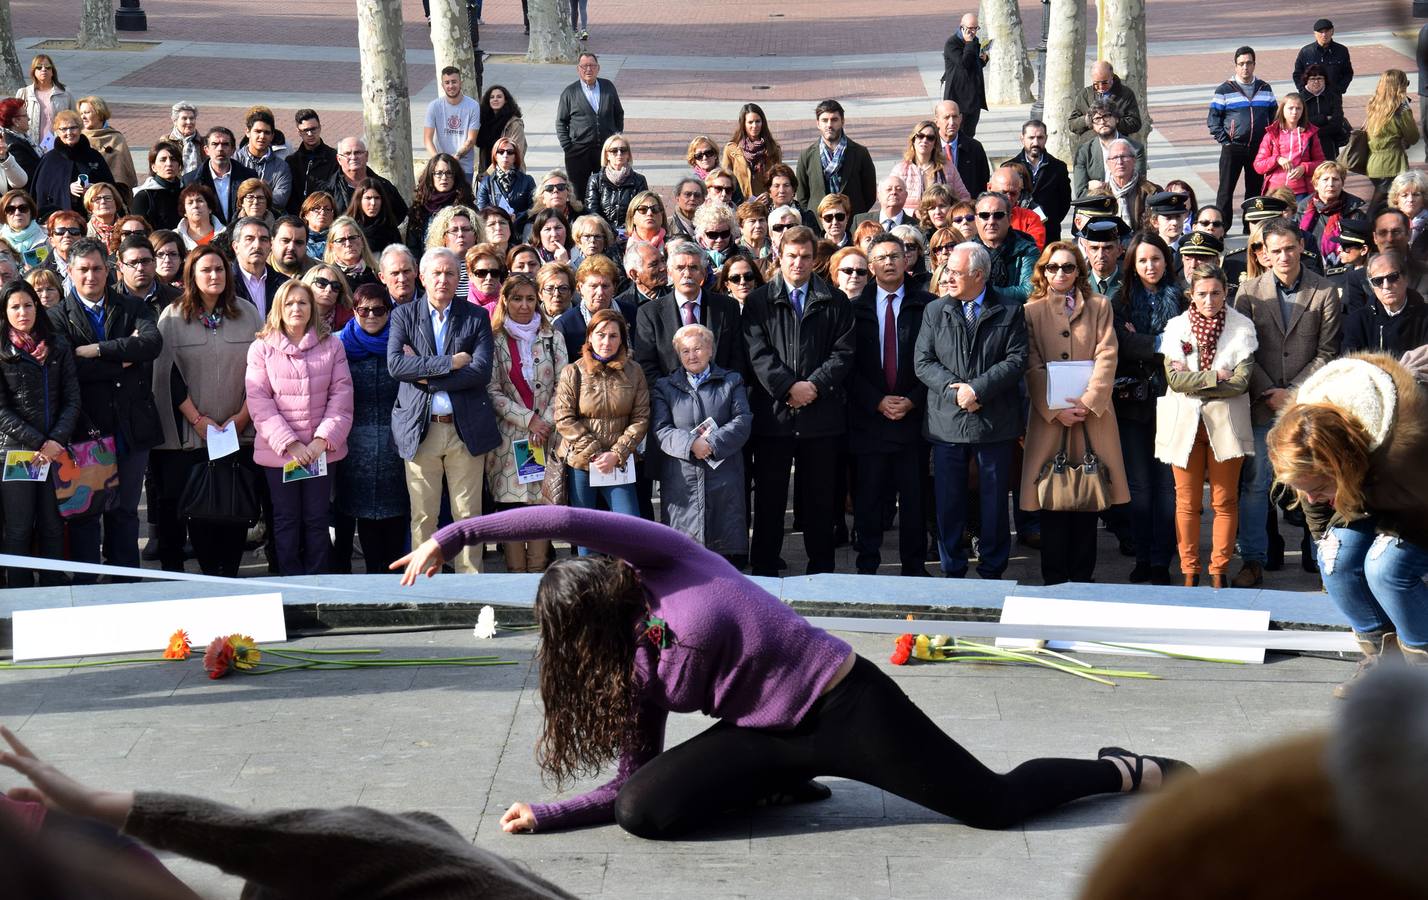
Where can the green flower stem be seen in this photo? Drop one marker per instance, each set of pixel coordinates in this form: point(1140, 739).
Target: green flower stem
point(317, 652)
point(1172, 655)
point(264, 669)
point(85, 665)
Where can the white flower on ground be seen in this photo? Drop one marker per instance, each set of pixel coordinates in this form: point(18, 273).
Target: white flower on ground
point(485, 623)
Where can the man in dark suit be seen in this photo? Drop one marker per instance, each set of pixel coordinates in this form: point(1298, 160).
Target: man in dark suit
point(138, 277)
point(962, 80)
point(1296, 316)
point(589, 111)
point(885, 406)
point(648, 275)
point(688, 303)
point(798, 333)
point(892, 208)
point(220, 173)
point(116, 340)
point(595, 290)
point(442, 424)
point(961, 152)
point(972, 354)
point(834, 165)
point(1050, 179)
point(653, 338)
point(254, 280)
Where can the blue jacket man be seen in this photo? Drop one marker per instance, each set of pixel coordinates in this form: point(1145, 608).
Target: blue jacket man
point(443, 425)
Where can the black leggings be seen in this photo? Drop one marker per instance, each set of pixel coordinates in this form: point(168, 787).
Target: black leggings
point(865, 729)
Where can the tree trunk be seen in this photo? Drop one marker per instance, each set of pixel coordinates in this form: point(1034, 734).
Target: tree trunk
point(552, 37)
point(1125, 51)
point(451, 42)
point(12, 77)
point(1065, 73)
point(386, 101)
point(1008, 72)
point(96, 26)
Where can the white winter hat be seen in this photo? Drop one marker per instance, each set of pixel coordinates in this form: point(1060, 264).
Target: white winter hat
point(1361, 389)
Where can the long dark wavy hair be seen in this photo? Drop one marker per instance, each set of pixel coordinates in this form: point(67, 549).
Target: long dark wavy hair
point(588, 609)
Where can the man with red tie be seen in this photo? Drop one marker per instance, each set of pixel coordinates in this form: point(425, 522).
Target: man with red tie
point(886, 402)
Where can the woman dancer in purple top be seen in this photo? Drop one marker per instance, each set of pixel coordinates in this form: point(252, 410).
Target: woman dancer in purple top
point(663, 625)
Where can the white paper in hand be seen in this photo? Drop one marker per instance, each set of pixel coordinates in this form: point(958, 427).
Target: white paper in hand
point(1067, 379)
point(623, 475)
point(222, 441)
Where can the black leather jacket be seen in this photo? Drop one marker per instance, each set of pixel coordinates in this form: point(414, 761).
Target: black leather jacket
point(610, 201)
point(37, 403)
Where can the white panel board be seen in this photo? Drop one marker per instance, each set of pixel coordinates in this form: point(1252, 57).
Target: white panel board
point(132, 627)
point(1052, 611)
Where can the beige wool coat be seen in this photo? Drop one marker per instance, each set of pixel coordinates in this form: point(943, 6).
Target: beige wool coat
point(1089, 333)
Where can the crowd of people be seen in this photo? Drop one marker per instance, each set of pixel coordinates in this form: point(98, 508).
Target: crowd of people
point(884, 346)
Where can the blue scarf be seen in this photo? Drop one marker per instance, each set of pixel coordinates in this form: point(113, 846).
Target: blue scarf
point(360, 344)
point(832, 162)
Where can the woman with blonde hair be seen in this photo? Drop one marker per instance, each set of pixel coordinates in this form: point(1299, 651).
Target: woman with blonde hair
point(590, 236)
point(347, 249)
point(752, 152)
point(487, 271)
point(835, 214)
point(554, 192)
point(613, 186)
point(646, 220)
point(1391, 129)
point(527, 359)
point(1203, 420)
point(331, 293)
point(934, 210)
point(110, 142)
point(555, 283)
point(104, 207)
point(848, 270)
point(1409, 195)
point(299, 392)
point(44, 97)
point(702, 156)
point(921, 166)
point(1351, 446)
point(48, 285)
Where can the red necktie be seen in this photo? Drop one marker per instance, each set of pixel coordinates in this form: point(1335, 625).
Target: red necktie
point(890, 346)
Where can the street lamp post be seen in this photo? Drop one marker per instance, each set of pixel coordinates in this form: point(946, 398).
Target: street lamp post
point(130, 16)
point(1039, 106)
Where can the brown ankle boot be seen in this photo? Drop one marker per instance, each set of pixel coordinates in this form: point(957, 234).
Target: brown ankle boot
point(1374, 645)
point(1192, 580)
point(1219, 582)
point(515, 556)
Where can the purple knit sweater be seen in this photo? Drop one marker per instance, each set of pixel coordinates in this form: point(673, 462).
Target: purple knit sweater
point(735, 652)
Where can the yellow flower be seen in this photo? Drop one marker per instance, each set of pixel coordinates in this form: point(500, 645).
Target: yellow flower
point(245, 651)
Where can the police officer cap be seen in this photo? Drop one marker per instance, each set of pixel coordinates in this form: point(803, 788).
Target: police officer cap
point(1104, 229)
point(1105, 206)
point(1258, 209)
point(1169, 203)
point(1355, 232)
point(1199, 243)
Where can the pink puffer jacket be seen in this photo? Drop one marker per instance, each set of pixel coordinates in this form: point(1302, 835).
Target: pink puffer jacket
point(1301, 148)
point(298, 393)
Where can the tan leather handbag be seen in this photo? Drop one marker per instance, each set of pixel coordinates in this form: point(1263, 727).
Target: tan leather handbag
point(1066, 487)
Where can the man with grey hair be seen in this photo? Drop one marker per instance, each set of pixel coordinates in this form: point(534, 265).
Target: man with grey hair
point(689, 194)
point(1090, 163)
point(397, 270)
point(1128, 184)
point(686, 304)
point(972, 354)
point(442, 425)
point(1106, 88)
point(649, 278)
point(184, 116)
point(892, 198)
point(1011, 254)
point(257, 282)
point(351, 170)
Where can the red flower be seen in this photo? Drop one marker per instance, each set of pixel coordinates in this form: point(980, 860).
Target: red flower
point(1187, 348)
point(902, 650)
point(656, 635)
point(218, 658)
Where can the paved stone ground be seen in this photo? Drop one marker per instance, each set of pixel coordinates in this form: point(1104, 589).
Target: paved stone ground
point(459, 742)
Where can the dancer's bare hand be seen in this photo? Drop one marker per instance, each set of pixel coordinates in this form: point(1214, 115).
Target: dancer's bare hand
point(425, 558)
point(518, 819)
point(57, 790)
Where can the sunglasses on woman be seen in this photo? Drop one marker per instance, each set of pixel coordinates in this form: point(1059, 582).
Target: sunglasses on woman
point(743, 278)
point(1060, 268)
point(851, 272)
point(327, 284)
point(835, 217)
point(371, 312)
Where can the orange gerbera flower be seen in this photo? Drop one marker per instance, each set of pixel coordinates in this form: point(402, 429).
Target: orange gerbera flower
point(178, 646)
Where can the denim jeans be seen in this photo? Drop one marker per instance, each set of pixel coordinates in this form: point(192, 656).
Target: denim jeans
point(1376, 581)
point(1152, 490)
point(1255, 479)
point(949, 473)
point(620, 498)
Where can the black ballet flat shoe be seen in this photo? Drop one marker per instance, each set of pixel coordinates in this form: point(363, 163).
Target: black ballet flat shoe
point(809, 791)
point(1140, 574)
point(1169, 768)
